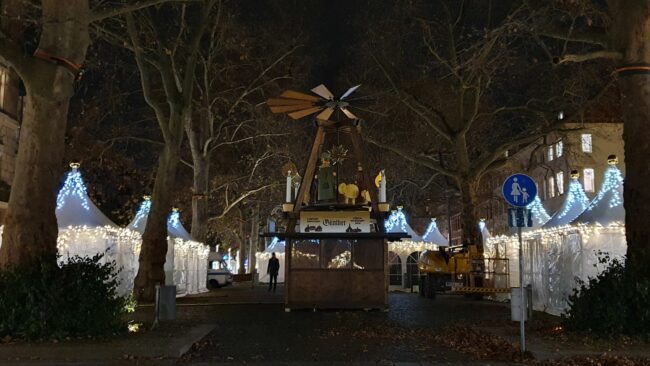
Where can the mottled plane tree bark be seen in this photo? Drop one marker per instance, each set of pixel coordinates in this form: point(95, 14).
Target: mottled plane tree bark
point(48, 73)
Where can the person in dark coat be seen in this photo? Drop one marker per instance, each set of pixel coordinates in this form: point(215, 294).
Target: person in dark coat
point(272, 271)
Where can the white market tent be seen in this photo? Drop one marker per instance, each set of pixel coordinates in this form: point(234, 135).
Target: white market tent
point(186, 263)
point(561, 255)
point(276, 246)
point(403, 254)
point(85, 231)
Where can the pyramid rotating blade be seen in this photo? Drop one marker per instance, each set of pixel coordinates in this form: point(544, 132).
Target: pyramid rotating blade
point(323, 92)
point(306, 112)
point(289, 108)
point(325, 114)
point(350, 91)
point(282, 101)
point(297, 95)
point(349, 114)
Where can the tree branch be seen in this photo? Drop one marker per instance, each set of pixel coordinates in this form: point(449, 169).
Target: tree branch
point(100, 15)
point(414, 105)
point(145, 76)
point(612, 55)
point(595, 36)
point(232, 142)
point(195, 39)
point(417, 160)
point(231, 205)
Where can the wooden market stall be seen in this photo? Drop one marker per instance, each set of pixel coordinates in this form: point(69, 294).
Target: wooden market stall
point(336, 244)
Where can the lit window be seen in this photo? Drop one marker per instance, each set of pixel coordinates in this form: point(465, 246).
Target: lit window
point(559, 149)
point(589, 183)
point(586, 142)
point(551, 187)
point(550, 153)
point(559, 179)
point(4, 80)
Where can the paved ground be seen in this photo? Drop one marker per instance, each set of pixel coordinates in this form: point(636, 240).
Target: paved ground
point(240, 325)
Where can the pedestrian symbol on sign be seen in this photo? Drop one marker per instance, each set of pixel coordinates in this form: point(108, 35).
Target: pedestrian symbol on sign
point(519, 190)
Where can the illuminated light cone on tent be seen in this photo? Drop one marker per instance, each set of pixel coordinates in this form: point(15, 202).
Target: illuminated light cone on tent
point(276, 246)
point(539, 214)
point(574, 204)
point(85, 231)
point(186, 260)
point(396, 223)
point(601, 225)
point(433, 235)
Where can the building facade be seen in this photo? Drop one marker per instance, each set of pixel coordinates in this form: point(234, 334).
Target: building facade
point(10, 116)
point(581, 146)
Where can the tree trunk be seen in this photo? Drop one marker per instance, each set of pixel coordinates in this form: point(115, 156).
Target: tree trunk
point(30, 227)
point(469, 194)
point(200, 198)
point(633, 34)
point(242, 244)
point(254, 239)
point(154, 239)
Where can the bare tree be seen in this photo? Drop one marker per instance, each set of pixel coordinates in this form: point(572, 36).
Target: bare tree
point(166, 55)
point(459, 95)
point(225, 113)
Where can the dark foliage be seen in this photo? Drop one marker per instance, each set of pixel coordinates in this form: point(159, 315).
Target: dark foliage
point(614, 302)
point(77, 298)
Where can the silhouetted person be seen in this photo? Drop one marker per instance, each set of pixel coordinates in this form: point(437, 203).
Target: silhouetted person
point(272, 271)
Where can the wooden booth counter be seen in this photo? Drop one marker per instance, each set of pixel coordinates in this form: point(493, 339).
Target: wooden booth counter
point(336, 270)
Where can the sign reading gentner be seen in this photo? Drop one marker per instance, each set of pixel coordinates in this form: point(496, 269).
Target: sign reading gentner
point(334, 221)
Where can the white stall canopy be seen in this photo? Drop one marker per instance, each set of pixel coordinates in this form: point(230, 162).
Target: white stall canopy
point(74, 207)
point(396, 223)
point(607, 207)
point(433, 235)
point(574, 204)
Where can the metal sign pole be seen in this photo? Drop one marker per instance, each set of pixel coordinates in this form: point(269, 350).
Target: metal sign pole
point(522, 303)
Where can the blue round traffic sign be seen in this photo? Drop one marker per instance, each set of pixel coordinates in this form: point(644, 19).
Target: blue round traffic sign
point(519, 190)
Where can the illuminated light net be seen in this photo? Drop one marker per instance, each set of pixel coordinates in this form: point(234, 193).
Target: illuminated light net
point(140, 219)
point(73, 186)
point(611, 188)
point(607, 207)
point(540, 215)
point(575, 203)
point(396, 223)
point(433, 235)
